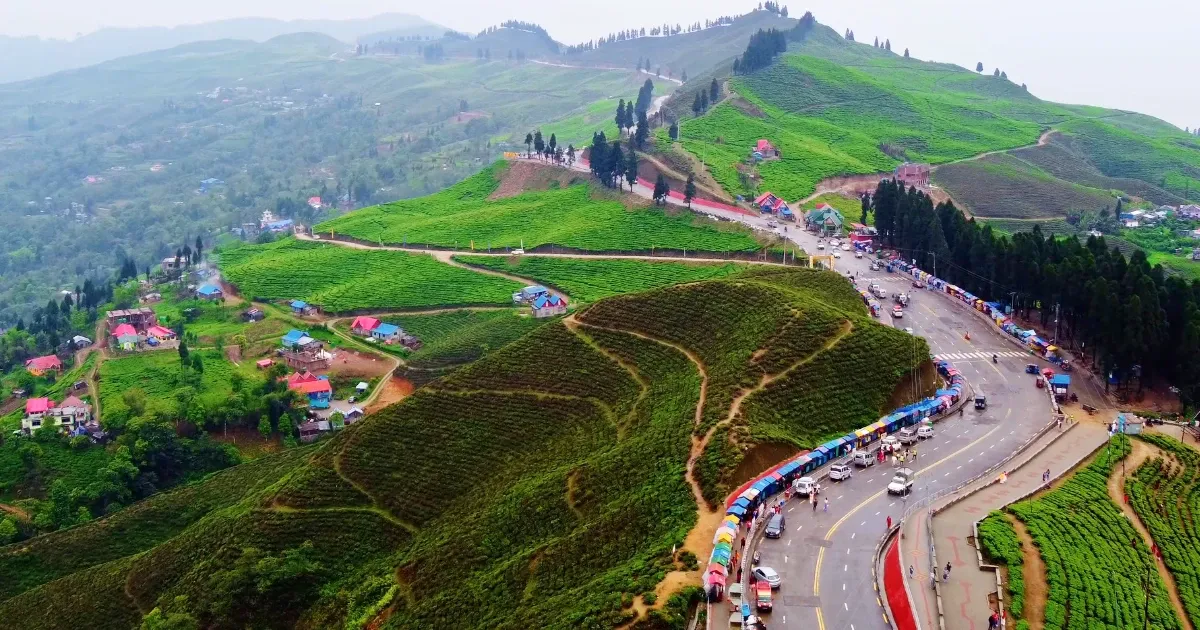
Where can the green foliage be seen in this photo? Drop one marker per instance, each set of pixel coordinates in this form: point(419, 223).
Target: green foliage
point(161, 382)
point(1097, 566)
point(1165, 493)
point(462, 216)
point(1004, 186)
point(590, 280)
point(342, 279)
point(1000, 545)
point(457, 337)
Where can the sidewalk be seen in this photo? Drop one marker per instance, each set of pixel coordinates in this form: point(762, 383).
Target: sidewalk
point(965, 596)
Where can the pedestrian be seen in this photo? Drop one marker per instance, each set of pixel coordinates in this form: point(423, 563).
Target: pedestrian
point(826, 504)
point(914, 453)
point(743, 543)
point(893, 460)
point(947, 570)
point(814, 502)
point(932, 578)
point(946, 575)
point(889, 522)
point(739, 575)
point(911, 572)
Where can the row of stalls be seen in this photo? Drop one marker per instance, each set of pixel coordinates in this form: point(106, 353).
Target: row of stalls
point(741, 505)
point(872, 304)
point(993, 310)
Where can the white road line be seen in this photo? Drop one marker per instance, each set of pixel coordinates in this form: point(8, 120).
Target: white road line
point(800, 528)
point(991, 447)
point(970, 460)
point(789, 542)
point(839, 497)
point(959, 468)
point(877, 514)
point(785, 558)
point(845, 568)
point(946, 475)
point(846, 605)
point(852, 535)
point(844, 588)
point(862, 523)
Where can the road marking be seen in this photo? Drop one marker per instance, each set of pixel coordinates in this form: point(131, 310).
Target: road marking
point(790, 509)
point(839, 498)
point(947, 474)
point(846, 605)
point(852, 534)
point(785, 558)
point(800, 528)
point(845, 567)
point(789, 542)
point(970, 460)
point(844, 588)
point(877, 514)
point(959, 468)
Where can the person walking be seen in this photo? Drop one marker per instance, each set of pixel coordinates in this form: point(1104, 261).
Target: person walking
point(947, 570)
point(827, 504)
point(814, 502)
point(911, 572)
point(914, 453)
point(889, 522)
point(946, 575)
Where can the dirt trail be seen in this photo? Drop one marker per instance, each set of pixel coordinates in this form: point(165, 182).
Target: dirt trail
point(21, 515)
point(1037, 588)
point(1143, 451)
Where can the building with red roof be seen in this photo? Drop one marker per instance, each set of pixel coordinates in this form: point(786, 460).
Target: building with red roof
point(363, 325)
point(38, 405)
point(913, 174)
point(72, 413)
point(160, 333)
point(317, 388)
point(40, 365)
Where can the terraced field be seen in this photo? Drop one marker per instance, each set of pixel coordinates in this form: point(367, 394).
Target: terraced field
point(1003, 186)
point(159, 376)
point(458, 337)
point(591, 280)
point(579, 217)
point(342, 279)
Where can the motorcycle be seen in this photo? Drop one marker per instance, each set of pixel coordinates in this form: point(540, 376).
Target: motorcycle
point(994, 358)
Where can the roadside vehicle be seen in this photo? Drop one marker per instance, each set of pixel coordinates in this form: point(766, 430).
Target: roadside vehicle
point(762, 600)
point(772, 223)
point(1031, 368)
point(775, 526)
point(902, 299)
point(518, 252)
point(858, 254)
point(845, 248)
point(980, 401)
point(925, 432)
point(917, 285)
point(840, 472)
point(897, 312)
point(820, 245)
point(833, 242)
point(862, 459)
point(890, 444)
point(804, 486)
point(908, 435)
point(1041, 382)
point(837, 254)
point(902, 482)
point(908, 330)
point(768, 575)
point(1066, 366)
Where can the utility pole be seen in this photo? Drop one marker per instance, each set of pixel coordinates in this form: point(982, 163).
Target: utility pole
point(1056, 305)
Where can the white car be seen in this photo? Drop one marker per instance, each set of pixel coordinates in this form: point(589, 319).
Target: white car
point(840, 472)
point(908, 330)
point(897, 312)
point(518, 252)
point(820, 245)
point(804, 486)
point(925, 432)
point(837, 254)
point(858, 254)
point(890, 443)
point(768, 575)
point(845, 248)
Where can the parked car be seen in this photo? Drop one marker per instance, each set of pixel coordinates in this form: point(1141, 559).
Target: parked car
point(804, 486)
point(908, 330)
point(775, 526)
point(925, 432)
point(908, 435)
point(837, 254)
point(858, 254)
point(897, 312)
point(820, 245)
point(862, 459)
point(840, 472)
point(768, 575)
point(762, 599)
point(845, 247)
point(890, 443)
point(902, 482)
point(980, 401)
point(518, 252)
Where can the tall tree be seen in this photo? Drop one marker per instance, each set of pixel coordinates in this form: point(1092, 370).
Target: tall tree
point(621, 115)
point(866, 208)
point(631, 169)
point(661, 190)
point(645, 97)
point(906, 53)
point(553, 144)
point(199, 249)
point(673, 131)
point(528, 143)
point(689, 190)
point(538, 143)
point(643, 130)
point(979, 67)
point(714, 91)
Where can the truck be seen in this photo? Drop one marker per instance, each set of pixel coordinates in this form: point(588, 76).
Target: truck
point(902, 481)
point(1060, 384)
point(902, 299)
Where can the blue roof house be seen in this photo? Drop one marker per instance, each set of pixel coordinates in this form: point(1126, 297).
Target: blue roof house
point(297, 339)
point(386, 332)
point(209, 292)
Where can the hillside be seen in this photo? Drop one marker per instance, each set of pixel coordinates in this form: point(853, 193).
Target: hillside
point(475, 214)
point(372, 527)
point(276, 122)
point(835, 107)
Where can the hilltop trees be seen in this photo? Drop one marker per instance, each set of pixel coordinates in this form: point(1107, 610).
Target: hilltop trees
point(979, 67)
point(700, 103)
point(631, 169)
point(608, 162)
point(529, 145)
point(645, 97)
point(714, 91)
point(689, 190)
point(762, 49)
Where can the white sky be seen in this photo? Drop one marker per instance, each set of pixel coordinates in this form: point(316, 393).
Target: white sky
point(1132, 55)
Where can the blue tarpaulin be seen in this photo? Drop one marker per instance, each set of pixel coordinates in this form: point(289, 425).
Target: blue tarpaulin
point(737, 511)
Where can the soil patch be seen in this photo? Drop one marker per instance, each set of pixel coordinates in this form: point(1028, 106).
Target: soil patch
point(22, 515)
point(1037, 589)
point(525, 175)
point(759, 458)
point(346, 361)
point(234, 354)
point(748, 108)
point(903, 394)
point(392, 391)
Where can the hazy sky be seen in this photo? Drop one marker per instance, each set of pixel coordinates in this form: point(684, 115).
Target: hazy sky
point(1141, 56)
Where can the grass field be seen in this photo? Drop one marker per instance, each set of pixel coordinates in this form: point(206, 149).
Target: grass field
point(577, 217)
point(458, 337)
point(210, 320)
point(342, 279)
point(158, 374)
point(850, 207)
point(591, 280)
point(1003, 186)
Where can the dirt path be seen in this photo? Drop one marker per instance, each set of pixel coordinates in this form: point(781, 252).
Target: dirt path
point(1037, 588)
point(1143, 451)
point(20, 514)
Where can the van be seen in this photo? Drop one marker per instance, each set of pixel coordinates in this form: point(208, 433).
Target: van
point(908, 436)
point(862, 459)
point(804, 486)
point(840, 472)
point(775, 526)
point(925, 432)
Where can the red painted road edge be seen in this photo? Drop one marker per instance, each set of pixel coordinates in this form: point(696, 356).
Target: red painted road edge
point(893, 583)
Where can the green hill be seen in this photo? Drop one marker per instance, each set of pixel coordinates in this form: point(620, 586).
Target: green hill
point(580, 216)
point(557, 491)
point(835, 107)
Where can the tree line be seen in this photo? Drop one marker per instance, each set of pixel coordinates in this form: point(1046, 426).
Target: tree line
point(1128, 317)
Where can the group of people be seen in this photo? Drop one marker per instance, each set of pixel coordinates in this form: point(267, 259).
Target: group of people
point(899, 457)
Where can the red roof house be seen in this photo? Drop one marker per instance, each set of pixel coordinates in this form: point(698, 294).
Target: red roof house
point(301, 377)
point(124, 329)
point(913, 174)
point(40, 365)
point(160, 333)
point(765, 147)
point(38, 405)
point(264, 363)
point(363, 325)
point(311, 387)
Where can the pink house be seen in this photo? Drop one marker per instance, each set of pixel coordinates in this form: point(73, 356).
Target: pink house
point(913, 174)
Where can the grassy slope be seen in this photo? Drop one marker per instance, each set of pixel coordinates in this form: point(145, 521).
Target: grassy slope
point(210, 320)
point(1003, 186)
point(591, 280)
point(344, 279)
point(458, 337)
point(582, 438)
point(157, 374)
point(573, 217)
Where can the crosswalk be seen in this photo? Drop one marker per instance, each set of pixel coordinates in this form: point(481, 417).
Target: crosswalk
point(961, 356)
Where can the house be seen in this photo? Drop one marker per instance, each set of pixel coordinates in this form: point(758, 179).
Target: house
point(172, 263)
point(126, 337)
point(209, 292)
point(361, 388)
point(160, 333)
point(282, 225)
point(299, 340)
point(913, 174)
point(1196, 253)
point(72, 413)
point(317, 388)
point(205, 184)
point(253, 315)
point(1131, 224)
point(768, 202)
point(825, 218)
point(310, 431)
point(386, 333)
point(549, 306)
point(264, 364)
point(79, 341)
point(314, 202)
point(35, 412)
point(150, 298)
point(530, 293)
point(1190, 211)
point(354, 415)
point(302, 308)
point(39, 366)
point(764, 148)
point(140, 318)
point(410, 342)
point(157, 168)
point(362, 325)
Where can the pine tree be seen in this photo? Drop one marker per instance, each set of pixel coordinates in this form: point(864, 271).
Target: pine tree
point(683, 77)
point(866, 208)
point(714, 91)
point(1004, 75)
point(631, 169)
point(661, 190)
point(643, 130)
point(887, 45)
point(620, 116)
point(689, 190)
point(996, 73)
point(615, 164)
point(906, 53)
point(538, 144)
point(736, 63)
point(877, 42)
point(553, 144)
point(696, 104)
point(979, 67)
point(528, 145)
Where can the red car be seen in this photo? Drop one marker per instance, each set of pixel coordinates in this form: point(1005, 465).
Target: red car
point(763, 599)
